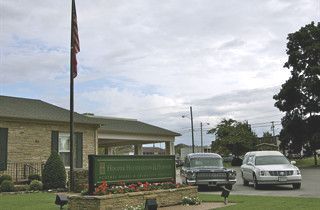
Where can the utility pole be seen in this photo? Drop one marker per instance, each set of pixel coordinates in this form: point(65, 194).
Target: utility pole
point(201, 137)
point(192, 129)
point(273, 134)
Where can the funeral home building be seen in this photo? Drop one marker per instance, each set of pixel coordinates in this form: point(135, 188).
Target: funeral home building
point(31, 129)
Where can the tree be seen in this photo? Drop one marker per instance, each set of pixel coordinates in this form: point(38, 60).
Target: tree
point(233, 137)
point(54, 173)
point(299, 96)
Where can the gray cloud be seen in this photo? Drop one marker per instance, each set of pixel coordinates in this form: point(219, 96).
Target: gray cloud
point(223, 57)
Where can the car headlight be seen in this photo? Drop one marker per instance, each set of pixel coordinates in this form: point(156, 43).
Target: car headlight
point(191, 175)
point(263, 173)
point(298, 172)
point(232, 174)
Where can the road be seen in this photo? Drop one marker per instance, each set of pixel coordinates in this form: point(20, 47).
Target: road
point(310, 186)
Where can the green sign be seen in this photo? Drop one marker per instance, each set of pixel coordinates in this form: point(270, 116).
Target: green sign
point(130, 169)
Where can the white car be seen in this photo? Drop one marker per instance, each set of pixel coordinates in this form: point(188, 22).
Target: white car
point(269, 168)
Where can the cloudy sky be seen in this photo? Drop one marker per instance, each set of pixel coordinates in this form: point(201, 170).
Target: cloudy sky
point(150, 59)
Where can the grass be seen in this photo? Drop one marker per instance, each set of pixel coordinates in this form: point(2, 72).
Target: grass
point(307, 162)
point(265, 202)
point(30, 201)
point(37, 201)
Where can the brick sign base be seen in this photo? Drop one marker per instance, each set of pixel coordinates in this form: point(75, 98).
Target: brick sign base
point(168, 197)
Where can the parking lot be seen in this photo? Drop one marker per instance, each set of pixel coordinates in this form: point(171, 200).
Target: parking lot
point(310, 186)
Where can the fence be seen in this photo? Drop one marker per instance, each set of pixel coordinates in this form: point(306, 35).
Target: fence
point(19, 171)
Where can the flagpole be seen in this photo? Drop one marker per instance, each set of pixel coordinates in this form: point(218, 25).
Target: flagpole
point(71, 102)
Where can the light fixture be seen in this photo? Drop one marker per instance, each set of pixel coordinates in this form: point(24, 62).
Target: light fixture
point(61, 200)
point(151, 204)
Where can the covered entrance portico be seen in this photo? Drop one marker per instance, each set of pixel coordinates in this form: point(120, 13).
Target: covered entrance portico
point(117, 132)
point(109, 141)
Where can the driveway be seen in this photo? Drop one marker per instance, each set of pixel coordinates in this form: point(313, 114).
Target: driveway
point(310, 186)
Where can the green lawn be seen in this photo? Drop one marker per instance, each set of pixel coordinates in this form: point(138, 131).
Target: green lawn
point(265, 202)
point(307, 162)
point(43, 201)
point(30, 201)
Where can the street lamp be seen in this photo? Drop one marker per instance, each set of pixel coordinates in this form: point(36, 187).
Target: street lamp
point(202, 135)
point(192, 136)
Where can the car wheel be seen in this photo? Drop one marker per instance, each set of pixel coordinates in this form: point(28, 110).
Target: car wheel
point(296, 186)
point(255, 182)
point(229, 186)
point(245, 182)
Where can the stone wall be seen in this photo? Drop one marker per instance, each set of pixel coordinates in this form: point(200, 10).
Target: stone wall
point(30, 141)
point(80, 179)
point(120, 201)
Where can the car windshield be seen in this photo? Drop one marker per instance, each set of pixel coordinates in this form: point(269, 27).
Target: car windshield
point(206, 162)
point(271, 160)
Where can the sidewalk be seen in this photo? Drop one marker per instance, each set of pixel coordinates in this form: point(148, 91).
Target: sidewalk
point(202, 206)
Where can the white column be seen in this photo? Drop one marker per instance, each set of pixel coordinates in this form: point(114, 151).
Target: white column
point(138, 149)
point(109, 151)
point(170, 148)
point(96, 142)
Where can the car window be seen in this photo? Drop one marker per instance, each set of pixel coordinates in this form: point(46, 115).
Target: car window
point(250, 159)
point(186, 162)
point(245, 160)
point(206, 162)
point(271, 160)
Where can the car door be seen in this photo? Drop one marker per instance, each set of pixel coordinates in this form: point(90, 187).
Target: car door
point(250, 168)
point(244, 166)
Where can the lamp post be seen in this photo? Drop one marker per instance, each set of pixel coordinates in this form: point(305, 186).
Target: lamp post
point(192, 136)
point(201, 124)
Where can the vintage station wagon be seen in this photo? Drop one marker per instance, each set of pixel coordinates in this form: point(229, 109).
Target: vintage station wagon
point(206, 169)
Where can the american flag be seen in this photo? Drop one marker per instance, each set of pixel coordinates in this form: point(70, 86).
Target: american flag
point(75, 45)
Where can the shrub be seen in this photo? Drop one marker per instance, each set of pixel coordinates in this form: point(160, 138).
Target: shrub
point(35, 185)
point(54, 173)
point(191, 201)
point(7, 186)
point(236, 161)
point(5, 177)
point(21, 187)
point(138, 207)
point(32, 177)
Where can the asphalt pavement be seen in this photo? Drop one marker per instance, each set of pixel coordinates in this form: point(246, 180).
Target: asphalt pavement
point(310, 186)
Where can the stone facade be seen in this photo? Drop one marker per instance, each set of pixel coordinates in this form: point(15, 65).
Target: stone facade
point(120, 201)
point(30, 141)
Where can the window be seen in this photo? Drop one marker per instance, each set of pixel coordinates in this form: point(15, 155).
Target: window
point(251, 160)
point(60, 143)
point(206, 162)
point(64, 148)
point(271, 160)
point(3, 148)
point(245, 160)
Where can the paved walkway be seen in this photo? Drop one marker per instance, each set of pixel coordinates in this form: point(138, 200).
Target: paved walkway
point(202, 206)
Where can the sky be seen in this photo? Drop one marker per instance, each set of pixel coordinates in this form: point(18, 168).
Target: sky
point(151, 60)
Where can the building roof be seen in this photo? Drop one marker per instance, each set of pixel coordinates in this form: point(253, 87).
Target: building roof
point(32, 109)
point(130, 126)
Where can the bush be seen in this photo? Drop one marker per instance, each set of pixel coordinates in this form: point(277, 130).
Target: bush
point(5, 177)
point(32, 177)
point(236, 161)
point(7, 186)
point(191, 201)
point(54, 173)
point(36, 185)
point(21, 188)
